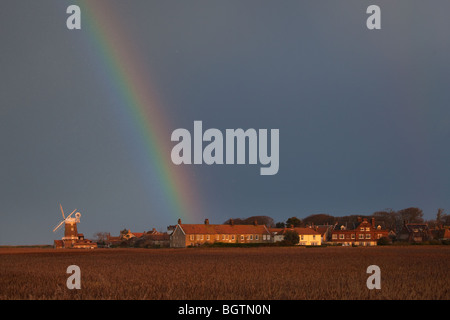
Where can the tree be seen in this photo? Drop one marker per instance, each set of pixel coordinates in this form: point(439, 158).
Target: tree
point(291, 237)
point(319, 219)
point(439, 215)
point(280, 225)
point(411, 215)
point(389, 217)
point(294, 221)
point(101, 237)
point(261, 220)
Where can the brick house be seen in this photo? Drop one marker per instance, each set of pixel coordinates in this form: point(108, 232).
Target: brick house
point(186, 235)
point(363, 233)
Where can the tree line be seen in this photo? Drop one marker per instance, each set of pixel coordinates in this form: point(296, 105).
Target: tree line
point(391, 219)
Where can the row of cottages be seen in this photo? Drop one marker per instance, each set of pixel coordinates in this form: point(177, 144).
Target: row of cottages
point(186, 235)
point(363, 233)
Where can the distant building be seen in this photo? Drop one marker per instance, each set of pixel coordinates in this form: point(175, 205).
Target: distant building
point(186, 235)
point(154, 231)
point(307, 236)
point(363, 233)
point(414, 232)
point(128, 235)
point(113, 241)
point(78, 242)
point(277, 234)
point(324, 231)
point(441, 233)
point(156, 239)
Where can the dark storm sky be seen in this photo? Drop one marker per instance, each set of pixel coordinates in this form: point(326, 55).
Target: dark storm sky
point(364, 116)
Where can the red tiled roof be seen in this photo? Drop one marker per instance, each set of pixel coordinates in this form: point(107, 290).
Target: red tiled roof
point(158, 237)
point(322, 230)
point(154, 231)
point(138, 234)
point(306, 231)
point(223, 229)
point(298, 230)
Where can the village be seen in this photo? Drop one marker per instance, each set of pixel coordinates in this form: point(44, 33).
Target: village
point(256, 231)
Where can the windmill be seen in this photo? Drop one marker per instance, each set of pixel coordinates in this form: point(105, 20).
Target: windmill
point(70, 227)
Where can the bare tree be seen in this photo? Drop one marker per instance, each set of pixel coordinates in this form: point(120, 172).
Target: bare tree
point(101, 237)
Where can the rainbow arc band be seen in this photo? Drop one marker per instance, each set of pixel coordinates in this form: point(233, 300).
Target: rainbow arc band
point(124, 66)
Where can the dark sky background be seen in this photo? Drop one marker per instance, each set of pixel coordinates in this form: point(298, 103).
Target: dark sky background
point(364, 116)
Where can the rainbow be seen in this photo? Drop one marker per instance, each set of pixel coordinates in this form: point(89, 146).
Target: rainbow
point(123, 66)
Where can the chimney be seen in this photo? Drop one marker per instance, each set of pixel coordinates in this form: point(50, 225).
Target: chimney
point(206, 221)
point(179, 221)
point(231, 222)
point(373, 222)
point(255, 222)
point(359, 219)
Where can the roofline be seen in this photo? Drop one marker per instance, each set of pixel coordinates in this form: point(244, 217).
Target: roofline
point(260, 225)
point(178, 225)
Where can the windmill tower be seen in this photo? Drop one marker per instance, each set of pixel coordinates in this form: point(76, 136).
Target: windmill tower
point(70, 228)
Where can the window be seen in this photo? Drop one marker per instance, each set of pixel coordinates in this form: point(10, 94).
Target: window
point(191, 237)
point(201, 237)
point(334, 236)
point(353, 236)
point(302, 237)
point(360, 236)
point(314, 237)
point(379, 236)
point(251, 237)
point(341, 236)
point(198, 237)
point(242, 237)
point(228, 237)
point(268, 237)
point(223, 237)
point(368, 236)
point(368, 229)
point(207, 237)
point(361, 229)
point(264, 237)
point(256, 237)
point(232, 237)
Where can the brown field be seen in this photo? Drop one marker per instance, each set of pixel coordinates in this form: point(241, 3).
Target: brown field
point(409, 272)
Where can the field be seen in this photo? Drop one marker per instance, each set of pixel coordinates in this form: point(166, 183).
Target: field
point(409, 272)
